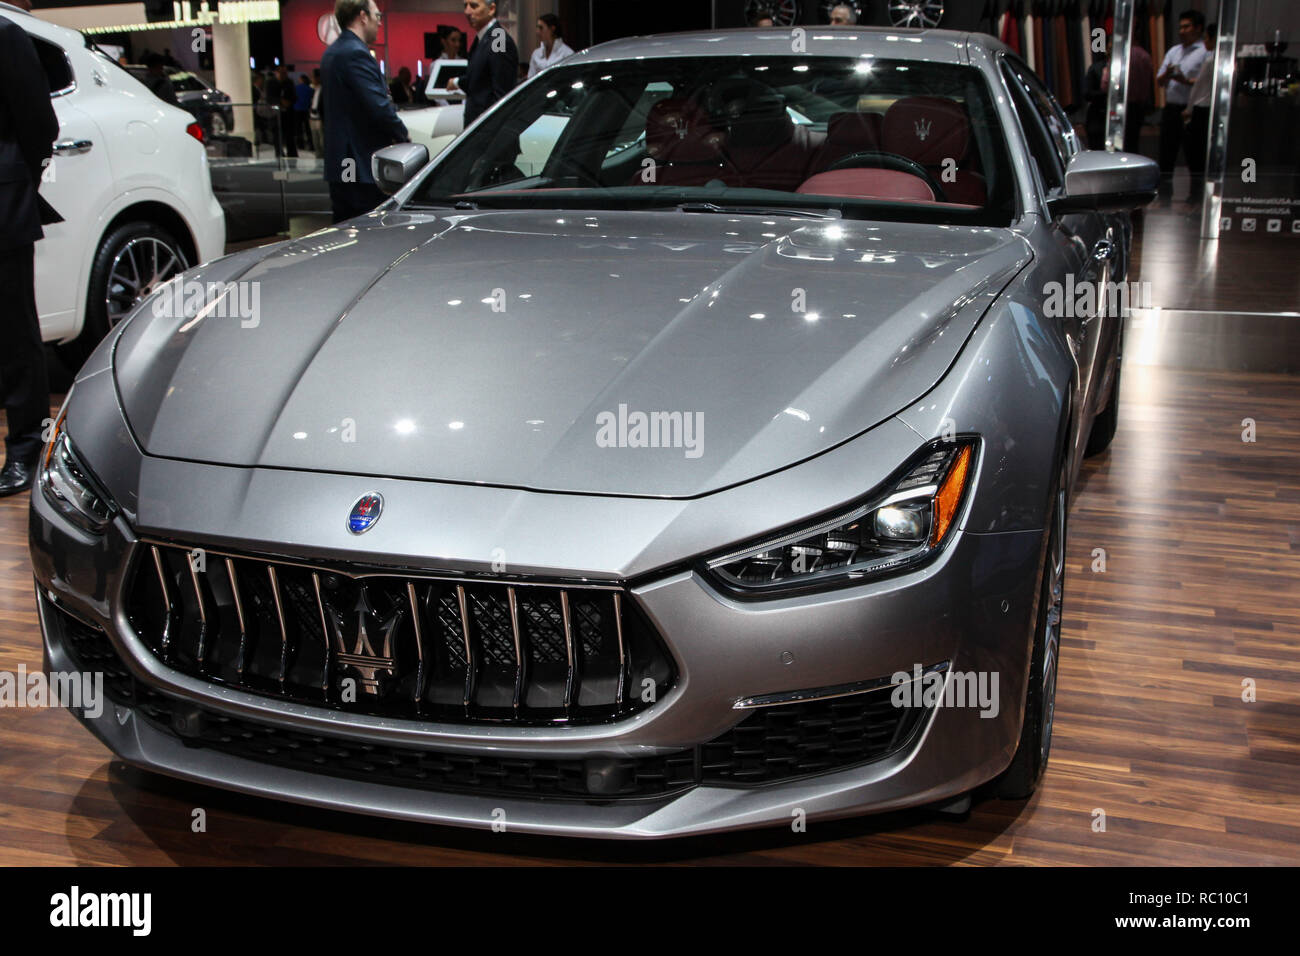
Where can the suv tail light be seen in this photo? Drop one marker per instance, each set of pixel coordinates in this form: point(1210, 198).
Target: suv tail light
point(195, 130)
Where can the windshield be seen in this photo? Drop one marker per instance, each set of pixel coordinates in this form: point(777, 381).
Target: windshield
point(865, 137)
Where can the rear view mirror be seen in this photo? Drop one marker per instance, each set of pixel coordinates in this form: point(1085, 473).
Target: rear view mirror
point(1100, 181)
point(394, 166)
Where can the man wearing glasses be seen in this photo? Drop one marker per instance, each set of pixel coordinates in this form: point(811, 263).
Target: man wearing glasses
point(359, 117)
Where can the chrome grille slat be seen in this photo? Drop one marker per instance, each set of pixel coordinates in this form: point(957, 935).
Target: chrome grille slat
point(519, 651)
point(239, 617)
point(167, 603)
point(469, 647)
point(571, 678)
point(622, 652)
point(325, 635)
point(279, 613)
point(203, 611)
point(413, 606)
point(416, 647)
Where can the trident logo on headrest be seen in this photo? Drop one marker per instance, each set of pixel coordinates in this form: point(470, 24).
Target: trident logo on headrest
point(922, 127)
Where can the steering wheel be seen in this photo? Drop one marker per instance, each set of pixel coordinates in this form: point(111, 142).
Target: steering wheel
point(878, 159)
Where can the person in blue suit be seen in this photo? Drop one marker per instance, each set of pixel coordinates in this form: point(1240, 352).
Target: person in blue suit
point(359, 115)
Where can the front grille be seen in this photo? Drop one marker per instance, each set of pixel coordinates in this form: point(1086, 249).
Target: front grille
point(409, 647)
point(771, 745)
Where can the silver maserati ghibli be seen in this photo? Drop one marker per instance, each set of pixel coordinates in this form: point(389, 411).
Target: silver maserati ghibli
point(688, 447)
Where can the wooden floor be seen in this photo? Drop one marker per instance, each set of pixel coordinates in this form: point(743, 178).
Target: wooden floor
point(1200, 592)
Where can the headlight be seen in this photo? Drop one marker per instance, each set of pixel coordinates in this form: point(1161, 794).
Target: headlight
point(70, 487)
point(902, 523)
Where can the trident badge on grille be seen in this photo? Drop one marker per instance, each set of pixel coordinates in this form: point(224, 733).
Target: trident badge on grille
point(370, 666)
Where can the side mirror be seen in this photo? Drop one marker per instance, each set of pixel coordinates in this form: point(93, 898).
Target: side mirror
point(394, 166)
point(1099, 181)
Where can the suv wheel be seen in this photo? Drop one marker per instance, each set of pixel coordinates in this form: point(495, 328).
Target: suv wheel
point(131, 262)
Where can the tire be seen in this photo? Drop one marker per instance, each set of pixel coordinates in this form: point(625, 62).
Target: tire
point(1019, 780)
point(218, 125)
point(124, 272)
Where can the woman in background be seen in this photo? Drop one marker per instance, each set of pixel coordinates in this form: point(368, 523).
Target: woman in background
point(552, 48)
point(453, 43)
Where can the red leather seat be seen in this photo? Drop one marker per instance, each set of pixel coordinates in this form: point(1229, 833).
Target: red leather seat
point(685, 146)
point(930, 130)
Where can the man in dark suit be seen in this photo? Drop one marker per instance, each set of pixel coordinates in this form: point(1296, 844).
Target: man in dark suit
point(28, 127)
point(493, 67)
point(359, 116)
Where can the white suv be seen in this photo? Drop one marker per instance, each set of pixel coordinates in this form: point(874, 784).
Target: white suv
point(130, 177)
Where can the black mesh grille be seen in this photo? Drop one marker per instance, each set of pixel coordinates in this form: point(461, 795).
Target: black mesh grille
point(794, 740)
point(772, 744)
point(395, 646)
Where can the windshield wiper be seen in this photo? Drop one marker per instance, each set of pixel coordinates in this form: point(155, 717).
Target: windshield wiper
point(712, 207)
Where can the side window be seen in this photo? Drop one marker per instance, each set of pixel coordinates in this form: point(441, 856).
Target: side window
point(58, 74)
point(1047, 150)
point(517, 154)
point(1053, 117)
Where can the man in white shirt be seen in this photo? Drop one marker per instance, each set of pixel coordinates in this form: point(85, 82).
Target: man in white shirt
point(551, 46)
point(1197, 115)
point(1177, 75)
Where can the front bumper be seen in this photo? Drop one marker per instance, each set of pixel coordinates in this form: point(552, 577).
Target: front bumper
point(972, 608)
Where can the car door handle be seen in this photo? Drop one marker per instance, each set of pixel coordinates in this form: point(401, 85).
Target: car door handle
point(72, 147)
point(1104, 250)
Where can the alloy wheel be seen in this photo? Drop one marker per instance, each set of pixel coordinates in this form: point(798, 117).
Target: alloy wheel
point(916, 13)
point(142, 265)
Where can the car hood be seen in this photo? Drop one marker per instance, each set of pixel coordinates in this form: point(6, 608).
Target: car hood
point(627, 353)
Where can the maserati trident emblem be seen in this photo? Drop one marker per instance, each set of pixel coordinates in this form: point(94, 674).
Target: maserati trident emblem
point(922, 127)
point(365, 512)
point(355, 650)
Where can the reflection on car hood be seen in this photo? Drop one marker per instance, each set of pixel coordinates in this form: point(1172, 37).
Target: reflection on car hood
point(528, 348)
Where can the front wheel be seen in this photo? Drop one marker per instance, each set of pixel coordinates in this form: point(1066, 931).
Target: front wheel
point(1021, 778)
point(132, 260)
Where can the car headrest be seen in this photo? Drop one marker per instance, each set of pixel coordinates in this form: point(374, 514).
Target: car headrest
point(760, 120)
point(853, 132)
point(928, 129)
point(678, 130)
